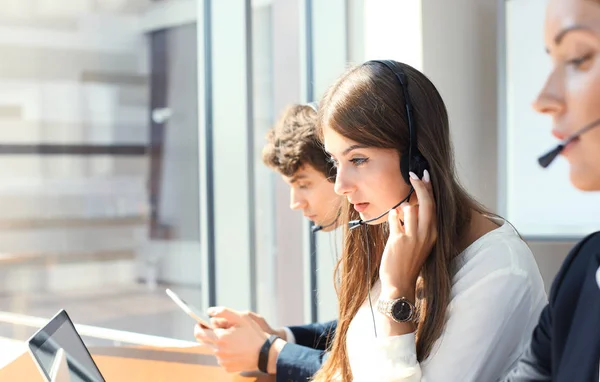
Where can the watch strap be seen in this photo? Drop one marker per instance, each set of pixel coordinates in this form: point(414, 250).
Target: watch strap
point(263, 355)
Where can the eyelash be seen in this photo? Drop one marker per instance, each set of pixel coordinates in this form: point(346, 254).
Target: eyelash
point(359, 161)
point(355, 161)
point(577, 62)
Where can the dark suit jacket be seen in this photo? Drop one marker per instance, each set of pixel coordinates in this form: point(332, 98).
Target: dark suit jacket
point(565, 346)
point(300, 361)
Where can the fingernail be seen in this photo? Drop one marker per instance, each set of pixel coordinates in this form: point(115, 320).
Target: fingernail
point(426, 177)
point(413, 175)
point(211, 311)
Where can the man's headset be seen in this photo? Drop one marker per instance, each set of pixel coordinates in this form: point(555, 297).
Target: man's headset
point(411, 160)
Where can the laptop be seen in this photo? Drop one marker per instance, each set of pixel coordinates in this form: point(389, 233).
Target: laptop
point(60, 354)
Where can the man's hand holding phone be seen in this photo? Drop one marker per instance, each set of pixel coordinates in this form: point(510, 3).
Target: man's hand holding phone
point(240, 335)
point(239, 339)
point(203, 331)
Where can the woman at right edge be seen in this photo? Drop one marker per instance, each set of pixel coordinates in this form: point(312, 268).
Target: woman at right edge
point(565, 346)
point(440, 290)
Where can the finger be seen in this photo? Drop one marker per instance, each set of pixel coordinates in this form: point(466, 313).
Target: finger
point(251, 314)
point(220, 323)
point(427, 180)
point(426, 210)
point(394, 222)
point(429, 186)
point(256, 317)
point(205, 336)
point(232, 316)
point(411, 220)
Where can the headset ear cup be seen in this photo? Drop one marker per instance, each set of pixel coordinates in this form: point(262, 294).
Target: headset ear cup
point(419, 164)
point(404, 167)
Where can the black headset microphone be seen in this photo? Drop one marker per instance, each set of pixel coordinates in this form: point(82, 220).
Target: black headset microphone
point(546, 159)
point(352, 224)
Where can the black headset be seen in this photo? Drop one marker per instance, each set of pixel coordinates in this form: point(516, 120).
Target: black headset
point(411, 159)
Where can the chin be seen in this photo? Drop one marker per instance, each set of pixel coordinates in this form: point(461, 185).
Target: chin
point(585, 180)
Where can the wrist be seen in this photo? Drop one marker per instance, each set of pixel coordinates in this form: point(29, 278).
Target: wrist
point(392, 292)
point(397, 305)
point(274, 354)
point(281, 333)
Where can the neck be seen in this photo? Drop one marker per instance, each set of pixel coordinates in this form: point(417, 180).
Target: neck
point(479, 225)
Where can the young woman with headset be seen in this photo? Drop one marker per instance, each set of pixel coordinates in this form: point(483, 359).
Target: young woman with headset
point(438, 289)
point(565, 345)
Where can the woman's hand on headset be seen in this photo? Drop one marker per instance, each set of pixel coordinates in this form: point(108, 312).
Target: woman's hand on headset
point(410, 242)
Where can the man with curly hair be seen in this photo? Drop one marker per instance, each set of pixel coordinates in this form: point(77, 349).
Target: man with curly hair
point(245, 341)
point(294, 151)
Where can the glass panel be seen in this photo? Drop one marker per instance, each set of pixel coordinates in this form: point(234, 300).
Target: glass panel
point(99, 182)
point(262, 65)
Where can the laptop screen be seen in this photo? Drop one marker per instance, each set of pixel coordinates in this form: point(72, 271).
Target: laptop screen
point(58, 334)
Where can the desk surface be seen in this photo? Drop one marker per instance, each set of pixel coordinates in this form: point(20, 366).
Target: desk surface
point(146, 364)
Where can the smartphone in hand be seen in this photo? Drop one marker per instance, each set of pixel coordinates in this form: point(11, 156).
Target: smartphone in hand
point(200, 318)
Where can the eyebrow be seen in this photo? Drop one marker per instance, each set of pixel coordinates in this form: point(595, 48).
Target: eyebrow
point(354, 147)
point(560, 36)
point(298, 177)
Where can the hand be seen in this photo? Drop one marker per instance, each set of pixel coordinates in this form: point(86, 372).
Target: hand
point(260, 321)
point(238, 344)
point(408, 246)
point(205, 336)
point(224, 324)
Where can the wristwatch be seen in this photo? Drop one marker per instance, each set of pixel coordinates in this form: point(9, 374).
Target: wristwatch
point(399, 310)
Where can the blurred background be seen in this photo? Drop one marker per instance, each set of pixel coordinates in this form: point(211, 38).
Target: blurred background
point(131, 132)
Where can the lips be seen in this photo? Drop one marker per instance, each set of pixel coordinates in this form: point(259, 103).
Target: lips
point(360, 207)
point(561, 136)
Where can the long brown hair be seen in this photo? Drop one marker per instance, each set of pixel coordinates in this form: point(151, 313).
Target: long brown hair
point(366, 105)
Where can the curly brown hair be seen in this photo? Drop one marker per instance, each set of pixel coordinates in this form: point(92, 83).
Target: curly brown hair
point(293, 143)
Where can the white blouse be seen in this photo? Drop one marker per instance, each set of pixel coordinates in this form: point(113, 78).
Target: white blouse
point(496, 299)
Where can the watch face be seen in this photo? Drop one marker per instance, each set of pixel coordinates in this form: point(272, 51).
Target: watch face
point(401, 311)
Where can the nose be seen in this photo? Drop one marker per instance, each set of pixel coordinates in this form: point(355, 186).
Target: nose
point(343, 183)
point(297, 202)
point(550, 100)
